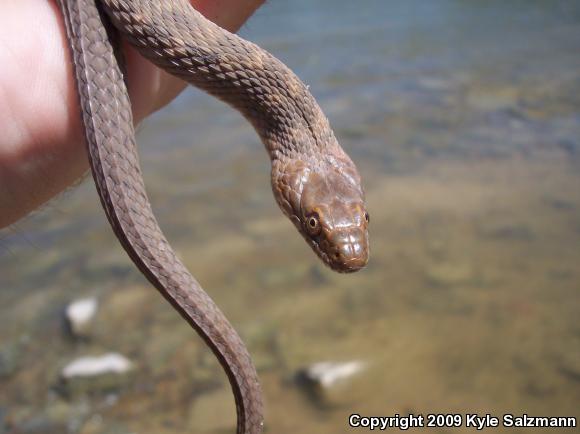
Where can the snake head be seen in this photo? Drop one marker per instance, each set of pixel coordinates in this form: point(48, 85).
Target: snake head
point(325, 201)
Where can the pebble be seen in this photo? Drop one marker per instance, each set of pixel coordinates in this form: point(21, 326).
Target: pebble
point(80, 316)
point(327, 383)
point(93, 366)
point(90, 374)
point(328, 374)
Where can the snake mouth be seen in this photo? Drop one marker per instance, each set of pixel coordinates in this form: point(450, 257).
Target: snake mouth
point(348, 264)
point(349, 248)
point(351, 266)
point(343, 251)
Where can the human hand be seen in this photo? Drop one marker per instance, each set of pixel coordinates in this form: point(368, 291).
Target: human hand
point(42, 148)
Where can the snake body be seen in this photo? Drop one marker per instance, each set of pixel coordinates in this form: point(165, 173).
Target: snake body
point(314, 182)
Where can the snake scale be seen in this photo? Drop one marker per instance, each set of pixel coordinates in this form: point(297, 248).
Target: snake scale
point(315, 183)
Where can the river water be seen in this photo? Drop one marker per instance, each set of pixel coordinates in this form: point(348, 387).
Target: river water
point(464, 119)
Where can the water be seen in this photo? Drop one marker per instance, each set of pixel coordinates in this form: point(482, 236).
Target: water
point(464, 118)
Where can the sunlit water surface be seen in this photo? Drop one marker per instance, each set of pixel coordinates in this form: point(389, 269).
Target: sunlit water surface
point(464, 119)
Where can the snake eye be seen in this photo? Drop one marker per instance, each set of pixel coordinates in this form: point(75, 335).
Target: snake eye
point(367, 217)
point(313, 224)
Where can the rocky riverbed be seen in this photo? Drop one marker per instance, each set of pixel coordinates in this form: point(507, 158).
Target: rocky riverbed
point(465, 122)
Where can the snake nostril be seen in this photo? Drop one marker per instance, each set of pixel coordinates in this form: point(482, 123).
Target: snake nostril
point(336, 256)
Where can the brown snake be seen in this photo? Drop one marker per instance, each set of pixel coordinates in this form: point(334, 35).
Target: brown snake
point(314, 182)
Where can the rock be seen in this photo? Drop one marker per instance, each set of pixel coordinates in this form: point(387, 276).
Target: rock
point(80, 316)
point(328, 374)
point(93, 366)
point(327, 383)
point(88, 375)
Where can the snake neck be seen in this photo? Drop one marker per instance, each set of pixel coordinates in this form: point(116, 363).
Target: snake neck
point(311, 174)
point(266, 92)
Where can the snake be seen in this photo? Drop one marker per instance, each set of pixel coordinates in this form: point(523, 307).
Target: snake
point(315, 183)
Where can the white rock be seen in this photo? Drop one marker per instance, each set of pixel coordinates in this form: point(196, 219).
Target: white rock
point(330, 385)
point(110, 363)
point(327, 374)
point(80, 315)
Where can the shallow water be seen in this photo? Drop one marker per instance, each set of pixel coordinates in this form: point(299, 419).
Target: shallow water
point(464, 118)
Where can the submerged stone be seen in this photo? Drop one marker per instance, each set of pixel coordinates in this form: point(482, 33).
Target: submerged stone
point(80, 316)
point(87, 375)
point(328, 383)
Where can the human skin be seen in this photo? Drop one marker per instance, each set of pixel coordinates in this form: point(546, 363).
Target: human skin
point(42, 148)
